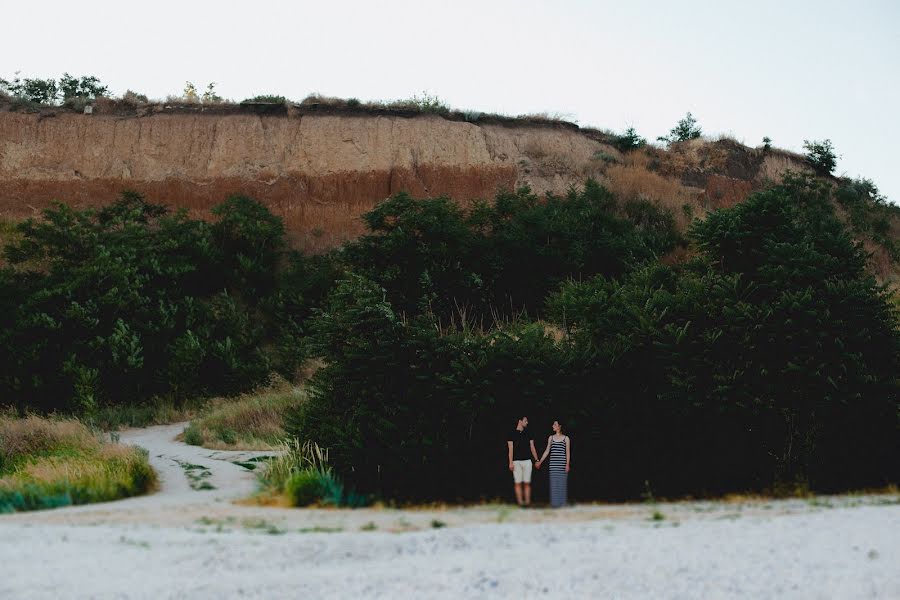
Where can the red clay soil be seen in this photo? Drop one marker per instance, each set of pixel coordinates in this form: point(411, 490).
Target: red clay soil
point(320, 211)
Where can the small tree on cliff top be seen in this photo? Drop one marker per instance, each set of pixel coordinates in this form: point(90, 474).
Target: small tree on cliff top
point(686, 129)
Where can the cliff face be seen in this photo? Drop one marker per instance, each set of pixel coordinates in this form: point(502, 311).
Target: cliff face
point(319, 172)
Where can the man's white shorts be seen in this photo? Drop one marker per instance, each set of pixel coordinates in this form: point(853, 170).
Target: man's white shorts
point(522, 471)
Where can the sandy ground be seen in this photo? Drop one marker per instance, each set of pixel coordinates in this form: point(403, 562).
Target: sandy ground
point(183, 542)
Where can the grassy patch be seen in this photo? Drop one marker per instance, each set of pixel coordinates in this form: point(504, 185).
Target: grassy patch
point(158, 411)
point(300, 474)
point(320, 529)
point(197, 476)
point(249, 422)
point(262, 525)
point(46, 463)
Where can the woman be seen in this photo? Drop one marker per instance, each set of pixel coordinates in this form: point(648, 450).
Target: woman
point(559, 447)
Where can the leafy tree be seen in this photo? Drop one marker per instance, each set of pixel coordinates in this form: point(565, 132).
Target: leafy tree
point(130, 301)
point(821, 156)
point(686, 129)
point(87, 87)
point(629, 140)
point(770, 360)
point(504, 256)
point(40, 91)
point(210, 94)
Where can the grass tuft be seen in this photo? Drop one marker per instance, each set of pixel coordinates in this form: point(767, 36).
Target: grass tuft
point(248, 422)
point(46, 463)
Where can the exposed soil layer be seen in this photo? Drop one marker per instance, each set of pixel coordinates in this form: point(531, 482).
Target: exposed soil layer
point(320, 211)
point(318, 171)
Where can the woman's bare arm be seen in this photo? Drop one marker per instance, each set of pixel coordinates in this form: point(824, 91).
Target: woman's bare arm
point(546, 452)
point(568, 452)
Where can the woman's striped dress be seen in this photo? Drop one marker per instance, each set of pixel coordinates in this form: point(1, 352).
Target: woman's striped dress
point(558, 475)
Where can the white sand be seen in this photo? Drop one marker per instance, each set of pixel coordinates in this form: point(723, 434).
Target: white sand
point(182, 543)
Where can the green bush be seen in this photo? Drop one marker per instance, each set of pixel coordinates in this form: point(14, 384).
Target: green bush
point(821, 156)
point(771, 359)
point(130, 302)
point(304, 487)
point(629, 140)
point(193, 436)
point(502, 257)
point(686, 129)
point(268, 98)
point(49, 91)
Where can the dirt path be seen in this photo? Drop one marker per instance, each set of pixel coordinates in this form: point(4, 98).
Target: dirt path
point(185, 541)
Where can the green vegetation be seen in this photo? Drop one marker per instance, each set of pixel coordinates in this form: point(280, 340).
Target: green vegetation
point(503, 257)
point(131, 302)
point(47, 463)
point(686, 129)
point(870, 213)
point(197, 476)
point(253, 421)
point(821, 156)
point(302, 474)
point(630, 140)
point(771, 358)
point(267, 98)
point(50, 91)
point(767, 361)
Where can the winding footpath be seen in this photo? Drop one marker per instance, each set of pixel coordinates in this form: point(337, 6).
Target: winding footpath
point(190, 539)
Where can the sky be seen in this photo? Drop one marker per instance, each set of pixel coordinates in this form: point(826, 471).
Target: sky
point(792, 70)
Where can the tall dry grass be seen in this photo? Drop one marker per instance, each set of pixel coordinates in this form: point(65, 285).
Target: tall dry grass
point(46, 463)
point(633, 180)
point(249, 422)
point(776, 164)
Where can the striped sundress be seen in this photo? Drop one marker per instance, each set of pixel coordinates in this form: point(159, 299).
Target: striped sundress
point(558, 475)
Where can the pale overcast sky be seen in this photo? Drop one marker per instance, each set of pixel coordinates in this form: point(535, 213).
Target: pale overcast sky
point(790, 70)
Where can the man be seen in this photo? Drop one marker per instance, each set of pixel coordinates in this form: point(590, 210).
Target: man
point(519, 445)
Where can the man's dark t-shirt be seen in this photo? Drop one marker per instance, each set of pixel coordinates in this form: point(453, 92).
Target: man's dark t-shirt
point(521, 444)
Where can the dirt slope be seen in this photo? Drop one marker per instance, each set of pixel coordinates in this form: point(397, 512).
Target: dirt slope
point(319, 172)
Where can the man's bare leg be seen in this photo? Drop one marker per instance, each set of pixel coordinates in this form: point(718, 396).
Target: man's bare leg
point(527, 487)
point(518, 487)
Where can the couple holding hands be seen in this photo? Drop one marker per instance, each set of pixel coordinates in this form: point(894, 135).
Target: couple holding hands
point(520, 447)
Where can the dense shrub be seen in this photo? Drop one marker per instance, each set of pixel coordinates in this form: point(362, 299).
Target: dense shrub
point(686, 129)
point(629, 140)
point(129, 302)
point(409, 411)
point(304, 487)
point(821, 156)
point(502, 257)
point(50, 91)
point(770, 361)
point(870, 213)
point(267, 98)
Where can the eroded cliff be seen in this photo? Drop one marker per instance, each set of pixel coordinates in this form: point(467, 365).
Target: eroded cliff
point(321, 171)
